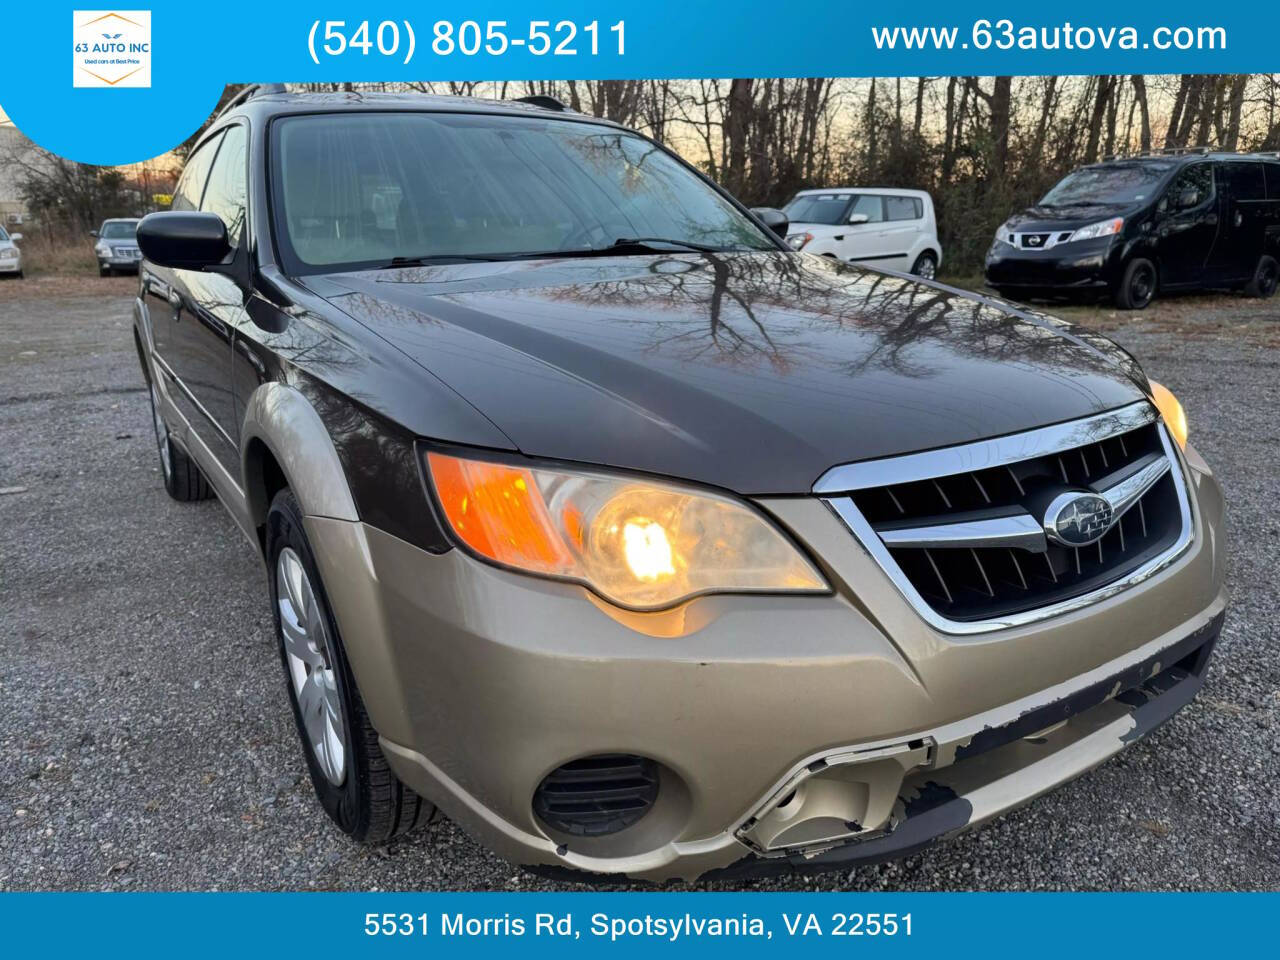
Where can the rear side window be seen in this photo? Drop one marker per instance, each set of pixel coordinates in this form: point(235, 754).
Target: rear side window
point(1246, 180)
point(186, 196)
point(903, 208)
point(225, 194)
point(1273, 180)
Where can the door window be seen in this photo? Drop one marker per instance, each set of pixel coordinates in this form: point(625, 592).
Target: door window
point(225, 194)
point(186, 195)
point(1191, 188)
point(903, 208)
point(870, 205)
point(1246, 180)
point(1273, 181)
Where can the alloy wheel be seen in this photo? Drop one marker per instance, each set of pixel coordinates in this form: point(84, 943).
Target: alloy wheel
point(926, 270)
point(311, 669)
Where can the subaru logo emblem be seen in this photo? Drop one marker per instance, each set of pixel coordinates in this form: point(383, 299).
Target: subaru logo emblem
point(1078, 519)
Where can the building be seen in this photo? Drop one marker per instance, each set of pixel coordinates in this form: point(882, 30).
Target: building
point(13, 209)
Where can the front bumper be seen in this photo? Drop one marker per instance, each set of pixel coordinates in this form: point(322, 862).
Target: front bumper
point(480, 682)
point(1091, 265)
point(11, 265)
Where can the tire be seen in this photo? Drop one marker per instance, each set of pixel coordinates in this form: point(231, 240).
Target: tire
point(104, 271)
point(1265, 279)
point(926, 266)
point(1137, 286)
point(183, 480)
point(355, 786)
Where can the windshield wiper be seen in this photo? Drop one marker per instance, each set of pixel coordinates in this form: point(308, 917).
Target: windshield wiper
point(434, 258)
point(644, 244)
point(686, 244)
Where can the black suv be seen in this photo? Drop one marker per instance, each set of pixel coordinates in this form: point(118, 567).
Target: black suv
point(1130, 228)
point(635, 541)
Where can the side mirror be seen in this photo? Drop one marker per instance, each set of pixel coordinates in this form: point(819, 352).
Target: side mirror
point(858, 218)
point(15, 237)
point(774, 219)
point(185, 241)
point(93, 233)
point(1188, 198)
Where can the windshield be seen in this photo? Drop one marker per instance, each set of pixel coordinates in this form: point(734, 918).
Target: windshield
point(818, 208)
point(3, 235)
point(1111, 185)
point(119, 230)
point(357, 190)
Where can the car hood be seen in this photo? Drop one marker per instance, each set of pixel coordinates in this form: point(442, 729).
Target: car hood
point(1034, 219)
point(755, 372)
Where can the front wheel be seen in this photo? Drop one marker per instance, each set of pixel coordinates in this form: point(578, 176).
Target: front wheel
point(1265, 279)
point(1137, 285)
point(352, 780)
point(926, 266)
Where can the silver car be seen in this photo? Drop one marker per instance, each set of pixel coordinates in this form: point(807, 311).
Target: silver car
point(10, 255)
point(117, 246)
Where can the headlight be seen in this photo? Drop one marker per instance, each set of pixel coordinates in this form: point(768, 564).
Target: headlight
point(637, 543)
point(1175, 418)
point(1105, 228)
point(102, 249)
point(797, 241)
point(1004, 234)
point(9, 253)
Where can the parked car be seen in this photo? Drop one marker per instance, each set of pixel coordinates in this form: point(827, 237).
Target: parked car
point(877, 227)
point(633, 540)
point(10, 255)
point(117, 246)
point(1132, 228)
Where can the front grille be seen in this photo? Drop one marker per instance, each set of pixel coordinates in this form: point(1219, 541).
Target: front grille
point(972, 581)
point(599, 795)
point(1035, 241)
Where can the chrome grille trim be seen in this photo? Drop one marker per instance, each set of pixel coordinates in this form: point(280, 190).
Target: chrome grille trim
point(994, 453)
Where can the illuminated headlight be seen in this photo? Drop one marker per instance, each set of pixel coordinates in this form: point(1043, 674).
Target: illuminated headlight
point(637, 543)
point(9, 253)
point(797, 241)
point(1104, 228)
point(1175, 418)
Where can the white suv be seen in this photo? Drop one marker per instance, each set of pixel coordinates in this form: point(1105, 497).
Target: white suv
point(879, 227)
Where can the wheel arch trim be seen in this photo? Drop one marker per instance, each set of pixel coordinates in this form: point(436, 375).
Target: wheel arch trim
point(279, 419)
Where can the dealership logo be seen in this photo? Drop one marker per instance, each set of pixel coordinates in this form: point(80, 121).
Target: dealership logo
point(111, 48)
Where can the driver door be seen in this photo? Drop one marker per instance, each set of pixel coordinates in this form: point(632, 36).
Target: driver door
point(1187, 226)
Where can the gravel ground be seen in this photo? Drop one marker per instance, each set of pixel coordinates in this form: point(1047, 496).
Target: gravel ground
point(146, 742)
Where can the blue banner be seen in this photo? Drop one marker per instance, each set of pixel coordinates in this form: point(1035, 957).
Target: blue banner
point(141, 81)
point(1044, 926)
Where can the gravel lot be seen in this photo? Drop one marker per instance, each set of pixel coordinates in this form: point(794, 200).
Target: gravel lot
point(146, 742)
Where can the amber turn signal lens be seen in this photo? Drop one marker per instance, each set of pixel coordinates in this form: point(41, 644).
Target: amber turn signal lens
point(498, 512)
point(1175, 418)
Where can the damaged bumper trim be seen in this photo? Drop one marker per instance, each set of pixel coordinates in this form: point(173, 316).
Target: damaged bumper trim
point(998, 770)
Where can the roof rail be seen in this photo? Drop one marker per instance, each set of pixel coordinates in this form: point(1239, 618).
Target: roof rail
point(251, 92)
point(545, 102)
